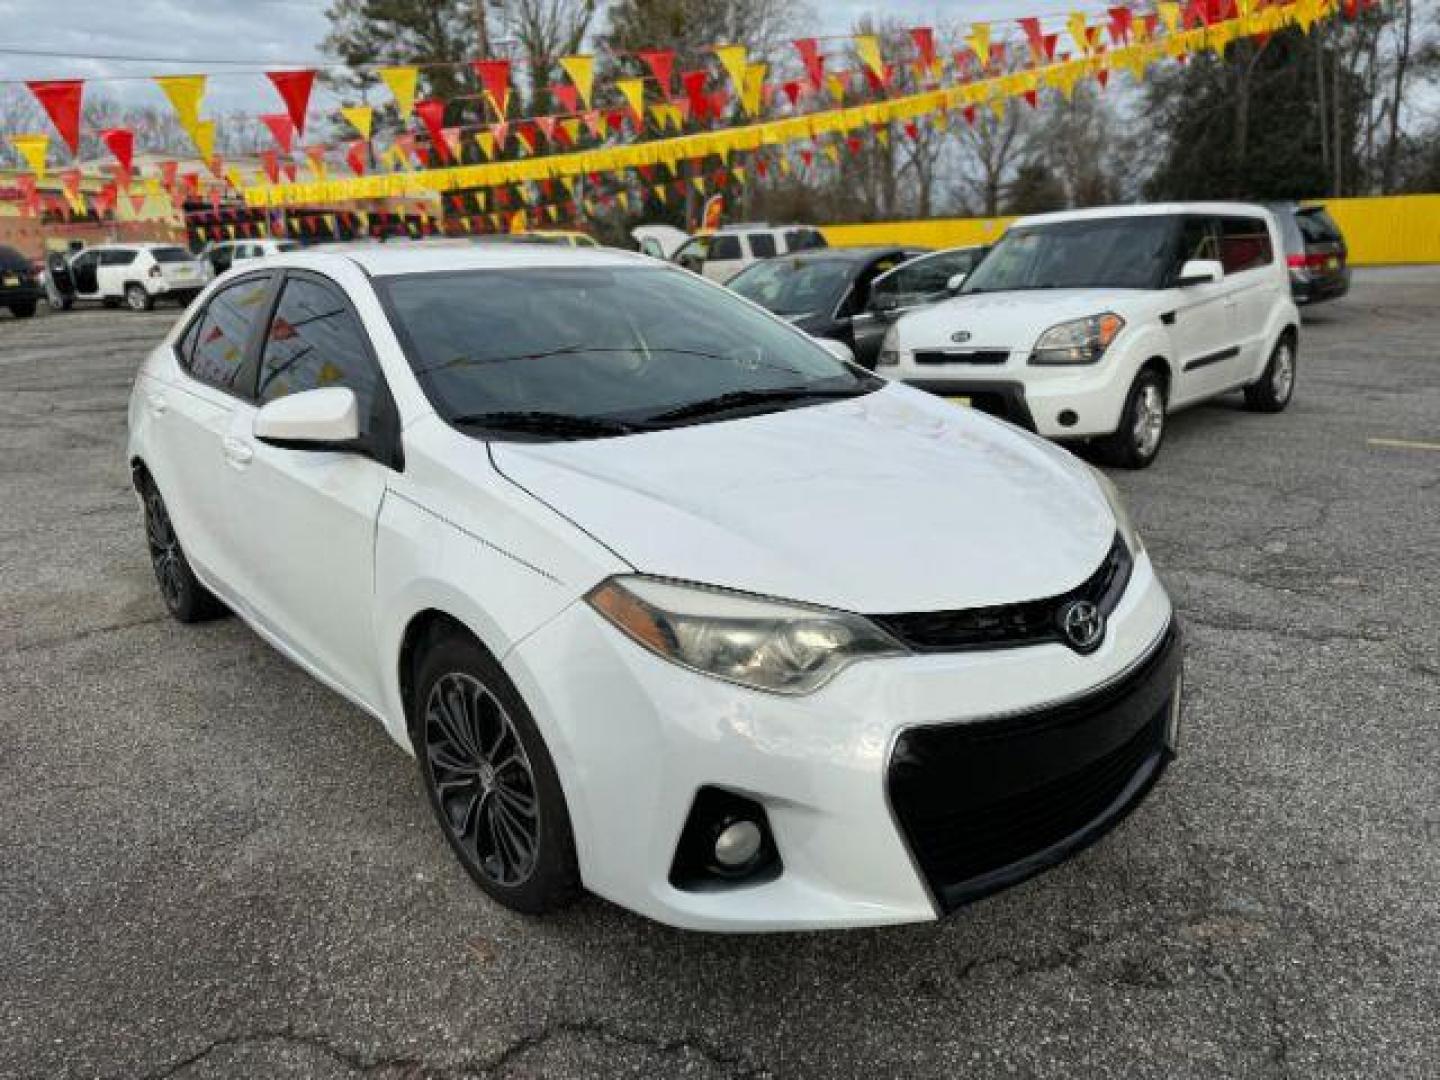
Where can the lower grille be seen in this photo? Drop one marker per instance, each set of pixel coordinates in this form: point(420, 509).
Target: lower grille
point(970, 356)
point(984, 805)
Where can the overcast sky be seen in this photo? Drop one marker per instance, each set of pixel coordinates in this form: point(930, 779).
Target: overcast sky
point(278, 33)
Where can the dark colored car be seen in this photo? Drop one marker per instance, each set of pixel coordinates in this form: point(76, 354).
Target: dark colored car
point(822, 291)
point(20, 289)
point(1315, 252)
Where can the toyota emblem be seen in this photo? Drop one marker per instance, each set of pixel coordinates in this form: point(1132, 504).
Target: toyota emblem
point(1082, 624)
point(960, 337)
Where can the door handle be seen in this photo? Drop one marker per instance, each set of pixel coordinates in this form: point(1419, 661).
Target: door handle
point(238, 452)
point(157, 403)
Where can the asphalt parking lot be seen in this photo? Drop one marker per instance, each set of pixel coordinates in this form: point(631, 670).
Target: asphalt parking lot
point(212, 866)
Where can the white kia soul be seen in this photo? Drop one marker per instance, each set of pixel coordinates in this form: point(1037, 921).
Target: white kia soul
point(1095, 324)
point(667, 601)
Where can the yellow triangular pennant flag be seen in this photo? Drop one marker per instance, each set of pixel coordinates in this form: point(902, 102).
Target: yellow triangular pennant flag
point(581, 70)
point(979, 40)
point(360, 117)
point(202, 134)
point(733, 59)
point(867, 47)
point(1079, 32)
point(33, 149)
point(633, 91)
point(185, 93)
point(401, 81)
point(750, 100)
point(486, 141)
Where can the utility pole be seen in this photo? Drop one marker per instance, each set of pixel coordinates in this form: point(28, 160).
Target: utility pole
point(482, 29)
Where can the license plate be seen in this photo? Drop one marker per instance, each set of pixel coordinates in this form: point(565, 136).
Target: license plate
point(1332, 263)
point(963, 402)
point(11, 279)
point(184, 271)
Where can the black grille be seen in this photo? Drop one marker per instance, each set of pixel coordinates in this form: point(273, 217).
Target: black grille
point(1030, 622)
point(984, 805)
point(962, 356)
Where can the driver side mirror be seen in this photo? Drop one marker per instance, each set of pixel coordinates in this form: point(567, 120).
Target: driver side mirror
point(953, 285)
point(1200, 272)
point(324, 419)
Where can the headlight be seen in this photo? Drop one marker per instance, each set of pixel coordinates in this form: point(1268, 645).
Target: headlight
point(765, 644)
point(1080, 341)
point(1122, 515)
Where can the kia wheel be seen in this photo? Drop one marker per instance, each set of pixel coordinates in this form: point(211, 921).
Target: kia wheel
point(1136, 442)
point(1274, 389)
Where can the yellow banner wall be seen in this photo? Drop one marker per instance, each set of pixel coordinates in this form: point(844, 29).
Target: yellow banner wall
point(1381, 231)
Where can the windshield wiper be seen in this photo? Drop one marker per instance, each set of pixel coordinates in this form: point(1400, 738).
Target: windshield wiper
point(745, 399)
point(538, 422)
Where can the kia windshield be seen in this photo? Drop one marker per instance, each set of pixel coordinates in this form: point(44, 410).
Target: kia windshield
point(1133, 252)
point(587, 352)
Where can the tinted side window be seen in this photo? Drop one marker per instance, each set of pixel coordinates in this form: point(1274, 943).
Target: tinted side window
point(1244, 244)
point(1316, 226)
point(218, 355)
point(762, 245)
point(1199, 239)
point(116, 258)
point(725, 247)
point(315, 340)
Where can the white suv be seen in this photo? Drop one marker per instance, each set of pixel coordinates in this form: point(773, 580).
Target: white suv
point(136, 275)
point(721, 255)
point(217, 258)
point(1095, 324)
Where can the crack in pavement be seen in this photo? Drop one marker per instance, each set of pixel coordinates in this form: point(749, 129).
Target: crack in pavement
point(417, 1068)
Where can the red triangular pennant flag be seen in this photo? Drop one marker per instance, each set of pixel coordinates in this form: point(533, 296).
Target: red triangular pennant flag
point(355, 156)
point(282, 128)
point(61, 99)
point(432, 114)
point(809, 49)
point(662, 65)
point(121, 143)
point(294, 88)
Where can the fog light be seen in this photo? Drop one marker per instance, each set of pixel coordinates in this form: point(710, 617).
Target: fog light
point(737, 844)
point(1068, 418)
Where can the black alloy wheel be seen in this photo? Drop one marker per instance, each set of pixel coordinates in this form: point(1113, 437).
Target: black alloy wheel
point(491, 782)
point(185, 598)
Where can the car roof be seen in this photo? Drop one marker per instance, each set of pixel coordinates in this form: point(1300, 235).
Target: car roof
point(1096, 213)
point(428, 257)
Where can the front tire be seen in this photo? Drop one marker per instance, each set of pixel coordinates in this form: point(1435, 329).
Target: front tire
point(1136, 442)
point(23, 310)
point(1274, 389)
point(185, 598)
point(491, 781)
point(138, 299)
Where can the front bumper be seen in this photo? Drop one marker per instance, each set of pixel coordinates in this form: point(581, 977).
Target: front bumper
point(634, 738)
point(1058, 403)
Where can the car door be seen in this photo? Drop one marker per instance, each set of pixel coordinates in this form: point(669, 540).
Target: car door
point(85, 274)
point(190, 418)
point(305, 519)
point(917, 283)
point(1201, 322)
point(1248, 255)
point(726, 257)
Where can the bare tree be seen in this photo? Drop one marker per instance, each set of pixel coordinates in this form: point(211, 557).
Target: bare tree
point(546, 30)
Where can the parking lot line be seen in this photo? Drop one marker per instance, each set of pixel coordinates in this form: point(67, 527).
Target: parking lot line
point(1404, 444)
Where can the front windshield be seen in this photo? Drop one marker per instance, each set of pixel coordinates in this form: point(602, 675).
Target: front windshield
point(793, 286)
point(1132, 252)
point(597, 344)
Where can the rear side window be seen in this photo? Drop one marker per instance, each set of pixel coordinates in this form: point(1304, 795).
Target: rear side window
point(315, 340)
point(117, 258)
point(1244, 244)
point(762, 245)
point(1317, 226)
point(804, 240)
point(724, 247)
point(217, 352)
point(169, 255)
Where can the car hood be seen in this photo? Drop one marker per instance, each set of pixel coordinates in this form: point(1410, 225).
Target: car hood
point(1012, 320)
point(895, 501)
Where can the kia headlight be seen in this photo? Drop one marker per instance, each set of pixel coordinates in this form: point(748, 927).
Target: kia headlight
point(1080, 341)
point(772, 645)
point(1123, 522)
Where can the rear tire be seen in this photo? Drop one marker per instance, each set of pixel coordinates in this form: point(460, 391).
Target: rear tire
point(490, 779)
point(110, 302)
point(138, 299)
point(185, 598)
point(1274, 389)
point(1135, 444)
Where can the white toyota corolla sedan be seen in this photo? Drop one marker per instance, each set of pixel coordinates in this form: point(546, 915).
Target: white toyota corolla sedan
point(668, 601)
